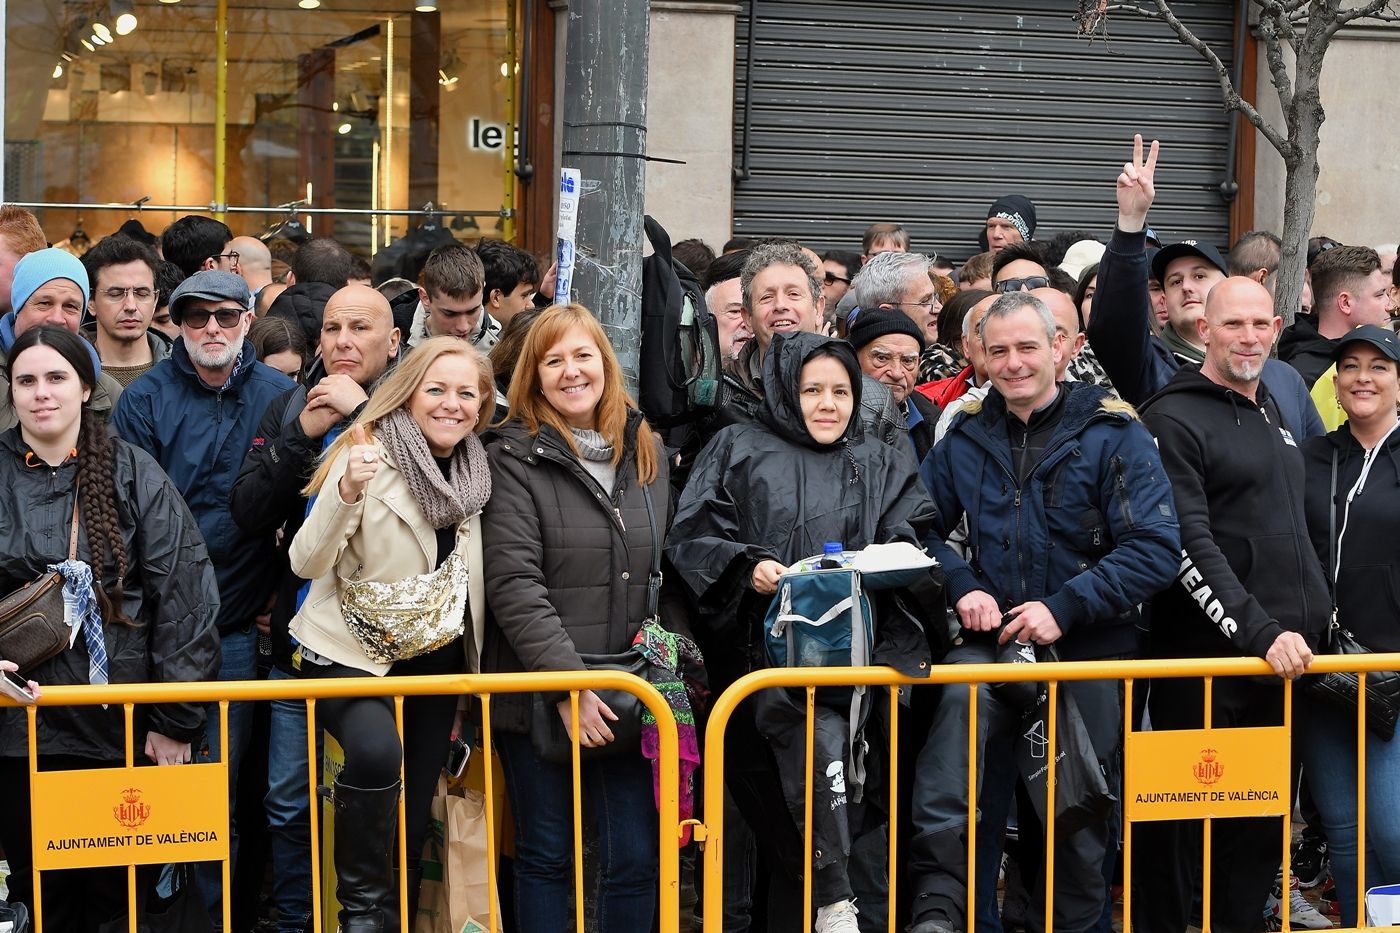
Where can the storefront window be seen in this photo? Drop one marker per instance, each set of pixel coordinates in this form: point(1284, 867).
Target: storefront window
point(354, 105)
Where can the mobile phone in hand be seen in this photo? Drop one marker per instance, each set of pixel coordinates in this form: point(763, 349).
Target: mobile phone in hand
point(15, 688)
point(457, 756)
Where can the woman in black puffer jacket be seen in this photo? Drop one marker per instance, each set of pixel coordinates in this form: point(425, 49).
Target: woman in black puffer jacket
point(568, 551)
point(152, 585)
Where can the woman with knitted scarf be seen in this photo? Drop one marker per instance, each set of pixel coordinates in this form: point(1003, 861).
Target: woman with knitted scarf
point(394, 522)
point(569, 549)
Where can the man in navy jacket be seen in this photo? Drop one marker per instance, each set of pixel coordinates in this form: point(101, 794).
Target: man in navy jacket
point(1071, 525)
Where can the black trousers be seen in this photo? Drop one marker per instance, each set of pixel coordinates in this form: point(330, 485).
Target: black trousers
point(76, 900)
point(1245, 853)
point(365, 729)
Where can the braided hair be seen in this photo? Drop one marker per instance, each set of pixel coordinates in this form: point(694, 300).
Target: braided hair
point(96, 480)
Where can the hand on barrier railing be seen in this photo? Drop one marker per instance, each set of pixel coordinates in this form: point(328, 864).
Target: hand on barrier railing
point(591, 713)
point(1289, 655)
point(163, 750)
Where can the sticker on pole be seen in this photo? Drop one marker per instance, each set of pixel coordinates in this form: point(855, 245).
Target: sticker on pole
point(1197, 773)
point(570, 182)
point(130, 816)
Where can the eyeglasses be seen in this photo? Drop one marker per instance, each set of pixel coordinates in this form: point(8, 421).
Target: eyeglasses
point(199, 317)
point(909, 361)
point(231, 257)
point(929, 303)
point(141, 293)
point(832, 278)
point(1026, 284)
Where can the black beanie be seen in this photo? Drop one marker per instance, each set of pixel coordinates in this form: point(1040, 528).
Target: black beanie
point(873, 323)
point(1020, 211)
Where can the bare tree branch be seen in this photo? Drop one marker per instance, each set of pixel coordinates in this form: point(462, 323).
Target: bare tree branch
point(1369, 9)
point(1232, 98)
point(1269, 27)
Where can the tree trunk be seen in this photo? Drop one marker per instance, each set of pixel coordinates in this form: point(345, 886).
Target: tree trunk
point(1299, 208)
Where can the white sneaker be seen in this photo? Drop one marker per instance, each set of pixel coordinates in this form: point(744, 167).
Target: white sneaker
point(837, 918)
point(1302, 915)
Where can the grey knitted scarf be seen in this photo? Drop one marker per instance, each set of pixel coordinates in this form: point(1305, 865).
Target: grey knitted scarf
point(447, 501)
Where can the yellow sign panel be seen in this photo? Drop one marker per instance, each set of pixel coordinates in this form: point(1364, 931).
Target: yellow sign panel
point(130, 816)
point(1193, 774)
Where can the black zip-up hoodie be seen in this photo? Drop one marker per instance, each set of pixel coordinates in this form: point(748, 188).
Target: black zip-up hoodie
point(1304, 348)
point(1368, 583)
point(1248, 571)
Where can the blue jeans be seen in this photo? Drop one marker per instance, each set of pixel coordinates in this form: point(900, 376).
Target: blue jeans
point(1329, 758)
point(620, 792)
point(288, 807)
point(238, 661)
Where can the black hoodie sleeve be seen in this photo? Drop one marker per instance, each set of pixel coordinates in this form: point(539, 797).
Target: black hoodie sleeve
point(268, 488)
point(1206, 575)
point(1118, 327)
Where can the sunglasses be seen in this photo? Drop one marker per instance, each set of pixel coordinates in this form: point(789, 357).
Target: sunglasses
point(832, 278)
point(199, 317)
point(1026, 284)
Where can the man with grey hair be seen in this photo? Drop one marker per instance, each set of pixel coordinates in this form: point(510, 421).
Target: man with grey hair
point(900, 281)
point(1028, 466)
point(197, 414)
point(782, 294)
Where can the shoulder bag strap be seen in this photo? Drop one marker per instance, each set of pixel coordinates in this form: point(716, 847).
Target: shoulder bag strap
point(73, 531)
point(1332, 567)
point(654, 579)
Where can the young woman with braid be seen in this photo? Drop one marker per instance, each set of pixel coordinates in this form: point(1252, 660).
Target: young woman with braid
point(141, 587)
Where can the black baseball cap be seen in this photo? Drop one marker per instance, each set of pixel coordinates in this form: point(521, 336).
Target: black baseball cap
point(1379, 337)
point(1166, 254)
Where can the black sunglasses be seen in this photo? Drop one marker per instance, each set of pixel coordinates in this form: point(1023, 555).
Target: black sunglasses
point(199, 317)
point(1026, 284)
point(832, 278)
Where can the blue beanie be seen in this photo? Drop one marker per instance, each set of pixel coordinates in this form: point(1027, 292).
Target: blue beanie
point(35, 269)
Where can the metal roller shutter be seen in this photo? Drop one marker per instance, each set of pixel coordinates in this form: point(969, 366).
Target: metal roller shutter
point(926, 112)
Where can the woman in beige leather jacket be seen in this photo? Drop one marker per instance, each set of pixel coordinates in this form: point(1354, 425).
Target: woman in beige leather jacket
point(397, 498)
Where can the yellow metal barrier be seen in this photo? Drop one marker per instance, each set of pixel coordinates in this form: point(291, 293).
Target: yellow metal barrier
point(482, 686)
point(809, 680)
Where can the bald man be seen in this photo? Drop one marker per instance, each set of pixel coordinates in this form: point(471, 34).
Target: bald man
point(254, 262)
point(1079, 363)
point(1249, 584)
point(358, 343)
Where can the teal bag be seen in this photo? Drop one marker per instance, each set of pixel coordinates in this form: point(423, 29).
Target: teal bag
point(819, 618)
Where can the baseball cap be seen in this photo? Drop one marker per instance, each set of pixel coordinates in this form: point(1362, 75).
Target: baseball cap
point(210, 285)
point(1166, 254)
point(1379, 337)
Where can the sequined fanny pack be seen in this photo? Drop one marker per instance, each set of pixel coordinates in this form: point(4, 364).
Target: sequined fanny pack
point(406, 618)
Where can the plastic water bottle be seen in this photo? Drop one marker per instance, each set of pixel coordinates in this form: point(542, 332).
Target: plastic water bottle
point(833, 556)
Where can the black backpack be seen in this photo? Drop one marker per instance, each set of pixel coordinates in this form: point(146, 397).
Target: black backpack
point(680, 366)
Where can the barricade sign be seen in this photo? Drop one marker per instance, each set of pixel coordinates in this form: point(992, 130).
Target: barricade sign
point(1194, 774)
point(130, 816)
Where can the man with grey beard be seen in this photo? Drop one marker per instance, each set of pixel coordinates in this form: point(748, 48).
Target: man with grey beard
point(197, 413)
point(1249, 584)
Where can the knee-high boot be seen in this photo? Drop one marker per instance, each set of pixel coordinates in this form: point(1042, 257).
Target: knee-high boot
point(365, 824)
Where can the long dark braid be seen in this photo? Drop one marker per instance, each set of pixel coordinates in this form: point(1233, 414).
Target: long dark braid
point(98, 488)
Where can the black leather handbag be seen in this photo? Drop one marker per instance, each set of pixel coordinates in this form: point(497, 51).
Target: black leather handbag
point(32, 624)
point(548, 736)
point(1382, 687)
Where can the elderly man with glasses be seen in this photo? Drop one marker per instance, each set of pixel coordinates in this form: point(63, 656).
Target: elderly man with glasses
point(888, 344)
point(900, 281)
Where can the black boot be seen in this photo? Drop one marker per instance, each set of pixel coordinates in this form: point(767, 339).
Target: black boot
point(365, 824)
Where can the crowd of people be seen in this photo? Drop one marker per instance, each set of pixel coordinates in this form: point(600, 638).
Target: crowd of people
point(274, 467)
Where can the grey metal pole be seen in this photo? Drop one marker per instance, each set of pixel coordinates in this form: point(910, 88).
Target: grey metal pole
point(605, 115)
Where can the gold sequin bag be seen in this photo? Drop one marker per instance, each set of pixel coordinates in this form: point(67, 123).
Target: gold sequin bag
point(406, 618)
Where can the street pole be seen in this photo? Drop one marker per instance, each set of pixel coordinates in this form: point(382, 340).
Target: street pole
point(605, 115)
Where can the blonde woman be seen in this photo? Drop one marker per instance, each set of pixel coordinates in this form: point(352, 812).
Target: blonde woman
point(394, 522)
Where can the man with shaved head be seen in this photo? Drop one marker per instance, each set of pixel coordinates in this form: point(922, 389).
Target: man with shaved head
point(254, 263)
point(358, 342)
point(1249, 585)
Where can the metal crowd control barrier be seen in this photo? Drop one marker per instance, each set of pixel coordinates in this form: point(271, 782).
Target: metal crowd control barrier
point(1261, 755)
point(182, 812)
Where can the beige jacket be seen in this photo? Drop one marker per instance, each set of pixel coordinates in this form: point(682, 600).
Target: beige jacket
point(384, 537)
